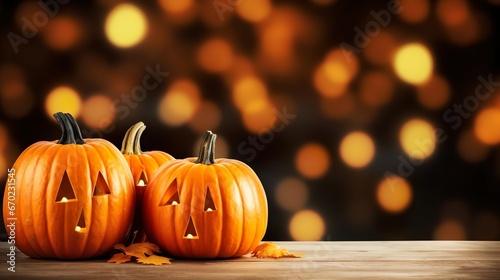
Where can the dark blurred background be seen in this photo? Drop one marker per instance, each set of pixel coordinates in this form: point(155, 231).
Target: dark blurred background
point(365, 120)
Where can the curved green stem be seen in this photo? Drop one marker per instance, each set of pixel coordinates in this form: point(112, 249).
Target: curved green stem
point(207, 149)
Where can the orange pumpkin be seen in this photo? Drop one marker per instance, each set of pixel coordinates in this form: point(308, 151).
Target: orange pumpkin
point(74, 198)
point(205, 207)
point(143, 165)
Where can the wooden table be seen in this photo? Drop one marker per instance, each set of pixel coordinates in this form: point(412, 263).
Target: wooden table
point(322, 260)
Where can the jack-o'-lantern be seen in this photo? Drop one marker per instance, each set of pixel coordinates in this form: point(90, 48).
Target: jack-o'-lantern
point(205, 207)
point(74, 198)
point(143, 165)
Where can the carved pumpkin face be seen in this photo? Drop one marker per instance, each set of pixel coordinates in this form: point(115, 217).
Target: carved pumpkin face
point(205, 208)
point(143, 165)
point(74, 197)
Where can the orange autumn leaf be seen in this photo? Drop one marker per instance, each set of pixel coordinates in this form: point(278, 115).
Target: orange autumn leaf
point(138, 250)
point(120, 258)
point(154, 260)
point(272, 250)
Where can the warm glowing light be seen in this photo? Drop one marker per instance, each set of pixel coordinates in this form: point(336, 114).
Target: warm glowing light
point(78, 228)
point(98, 111)
point(17, 100)
point(190, 236)
point(435, 93)
point(452, 12)
point(470, 148)
point(259, 120)
point(291, 194)
point(414, 11)
point(486, 124)
point(250, 94)
point(338, 108)
point(312, 160)
point(376, 88)
point(209, 210)
point(255, 10)
point(381, 48)
point(334, 74)
point(307, 225)
point(177, 6)
point(62, 33)
point(413, 63)
point(450, 230)
point(394, 194)
point(4, 137)
point(64, 199)
point(126, 26)
point(180, 103)
point(357, 149)
point(63, 99)
point(418, 138)
point(215, 55)
point(174, 202)
point(141, 183)
point(207, 117)
point(469, 31)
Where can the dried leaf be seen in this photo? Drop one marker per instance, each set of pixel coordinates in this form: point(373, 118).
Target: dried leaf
point(154, 260)
point(120, 258)
point(138, 250)
point(272, 250)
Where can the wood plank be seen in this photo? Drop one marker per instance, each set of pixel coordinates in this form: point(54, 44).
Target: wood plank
point(323, 260)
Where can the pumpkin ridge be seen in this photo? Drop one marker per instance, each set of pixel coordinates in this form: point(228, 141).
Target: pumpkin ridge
point(242, 199)
point(30, 241)
point(88, 217)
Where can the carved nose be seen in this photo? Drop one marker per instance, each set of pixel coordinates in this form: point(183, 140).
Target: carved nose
point(190, 232)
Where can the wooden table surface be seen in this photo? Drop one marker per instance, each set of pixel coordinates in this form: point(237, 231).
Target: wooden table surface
point(322, 260)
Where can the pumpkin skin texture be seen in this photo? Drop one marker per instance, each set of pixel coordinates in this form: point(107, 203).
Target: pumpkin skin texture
point(142, 165)
point(74, 197)
point(204, 208)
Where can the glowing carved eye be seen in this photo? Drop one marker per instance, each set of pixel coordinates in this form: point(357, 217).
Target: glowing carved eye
point(65, 192)
point(209, 203)
point(171, 196)
point(143, 181)
point(101, 187)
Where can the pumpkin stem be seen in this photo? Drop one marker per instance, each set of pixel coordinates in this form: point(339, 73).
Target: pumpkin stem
point(131, 144)
point(207, 149)
point(70, 131)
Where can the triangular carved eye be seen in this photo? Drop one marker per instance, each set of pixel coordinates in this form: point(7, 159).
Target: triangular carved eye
point(143, 181)
point(171, 196)
point(81, 226)
point(190, 232)
point(101, 187)
point(209, 203)
point(65, 192)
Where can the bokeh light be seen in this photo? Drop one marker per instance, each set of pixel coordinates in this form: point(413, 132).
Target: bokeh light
point(260, 119)
point(357, 149)
point(255, 10)
point(215, 55)
point(4, 137)
point(63, 99)
point(435, 93)
point(250, 94)
point(484, 124)
point(62, 33)
point(312, 160)
point(413, 63)
point(207, 117)
point(381, 49)
point(418, 138)
point(450, 230)
point(307, 225)
point(394, 194)
point(338, 108)
point(180, 103)
point(452, 12)
point(470, 148)
point(176, 7)
point(334, 74)
point(126, 26)
point(291, 193)
point(376, 88)
point(98, 111)
point(414, 11)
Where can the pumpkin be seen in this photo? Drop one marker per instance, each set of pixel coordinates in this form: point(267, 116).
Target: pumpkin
point(74, 198)
point(143, 165)
point(205, 207)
